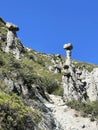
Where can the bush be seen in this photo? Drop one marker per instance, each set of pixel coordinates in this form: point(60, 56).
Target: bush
point(14, 114)
point(50, 85)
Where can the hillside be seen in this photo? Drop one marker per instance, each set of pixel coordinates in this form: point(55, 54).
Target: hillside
point(32, 84)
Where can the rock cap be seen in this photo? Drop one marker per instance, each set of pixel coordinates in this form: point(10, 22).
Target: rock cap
point(68, 46)
point(12, 27)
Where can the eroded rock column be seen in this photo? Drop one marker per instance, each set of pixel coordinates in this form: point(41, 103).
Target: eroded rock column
point(74, 87)
point(11, 34)
point(14, 45)
point(68, 47)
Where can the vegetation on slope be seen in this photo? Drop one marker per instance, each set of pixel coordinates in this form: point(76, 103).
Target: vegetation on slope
point(89, 109)
point(3, 32)
point(29, 71)
point(85, 65)
point(14, 114)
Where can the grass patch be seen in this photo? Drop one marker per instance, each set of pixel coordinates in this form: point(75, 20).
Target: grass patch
point(90, 108)
point(87, 66)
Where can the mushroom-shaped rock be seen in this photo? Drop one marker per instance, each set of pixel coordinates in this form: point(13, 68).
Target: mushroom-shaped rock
point(14, 45)
point(68, 46)
point(12, 27)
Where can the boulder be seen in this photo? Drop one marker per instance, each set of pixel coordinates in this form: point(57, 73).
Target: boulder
point(68, 46)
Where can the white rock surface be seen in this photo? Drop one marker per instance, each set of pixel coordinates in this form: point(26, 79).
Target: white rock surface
point(14, 45)
point(67, 118)
point(68, 47)
point(92, 85)
point(79, 84)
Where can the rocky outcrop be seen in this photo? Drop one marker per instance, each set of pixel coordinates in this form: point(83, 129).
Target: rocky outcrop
point(14, 45)
point(34, 97)
point(79, 84)
point(9, 41)
point(91, 80)
point(57, 64)
point(74, 86)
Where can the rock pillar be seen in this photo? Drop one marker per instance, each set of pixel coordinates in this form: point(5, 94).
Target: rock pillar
point(14, 45)
point(11, 35)
point(74, 87)
point(68, 47)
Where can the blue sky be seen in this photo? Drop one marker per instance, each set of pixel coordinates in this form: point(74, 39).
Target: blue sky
point(46, 25)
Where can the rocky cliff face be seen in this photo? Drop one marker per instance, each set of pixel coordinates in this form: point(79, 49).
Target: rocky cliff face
point(12, 42)
point(79, 84)
point(35, 88)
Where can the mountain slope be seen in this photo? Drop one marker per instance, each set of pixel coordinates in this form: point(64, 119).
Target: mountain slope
point(27, 80)
point(69, 119)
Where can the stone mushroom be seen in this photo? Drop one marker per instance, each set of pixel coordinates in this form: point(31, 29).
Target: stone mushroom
point(11, 35)
point(13, 42)
point(68, 47)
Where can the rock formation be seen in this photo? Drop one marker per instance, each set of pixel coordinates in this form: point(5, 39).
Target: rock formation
point(14, 45)
point(91, 80)
point(74, 88)
point(27, 87)
point(57, 64)
point(79, 84)
point(68, 47)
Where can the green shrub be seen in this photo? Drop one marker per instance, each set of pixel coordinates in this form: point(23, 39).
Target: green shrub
point(14, 114)
point(3, 86)
point(49, 84)
point(59, 91)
